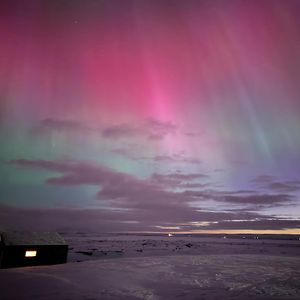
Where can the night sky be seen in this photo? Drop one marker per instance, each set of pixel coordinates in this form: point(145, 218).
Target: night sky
point(150, 115)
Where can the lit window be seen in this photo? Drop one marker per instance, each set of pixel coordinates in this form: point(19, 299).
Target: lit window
point(30, 253)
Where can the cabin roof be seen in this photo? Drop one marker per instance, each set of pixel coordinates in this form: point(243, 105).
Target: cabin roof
point(19, 238)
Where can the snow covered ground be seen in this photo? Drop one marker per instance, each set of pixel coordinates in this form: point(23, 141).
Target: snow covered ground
point(162, 268)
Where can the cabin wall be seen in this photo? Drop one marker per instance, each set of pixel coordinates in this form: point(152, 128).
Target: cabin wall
point(14, 256)
point(1, 251)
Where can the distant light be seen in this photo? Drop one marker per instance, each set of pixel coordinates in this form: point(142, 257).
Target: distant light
point(224, 237)
point(30, 253)
point(170, 234)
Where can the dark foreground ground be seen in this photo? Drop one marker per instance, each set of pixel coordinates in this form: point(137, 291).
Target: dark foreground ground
point(145, 267)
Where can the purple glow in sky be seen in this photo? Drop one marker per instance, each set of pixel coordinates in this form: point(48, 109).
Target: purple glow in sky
point(150, 115)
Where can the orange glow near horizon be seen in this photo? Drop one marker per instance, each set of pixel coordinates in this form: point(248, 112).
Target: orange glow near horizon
point(250, 231)
point(228, 231)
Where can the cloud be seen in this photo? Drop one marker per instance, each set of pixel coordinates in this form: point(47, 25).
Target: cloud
point(162, 158)
point(158, 129)
point(66, 219)
point(121, 130)
point(176, 158)
point(107, 220)
point(195, 134)
point(263, 179)
point(118, 185)
point(60, 125)
point(258, 199)
point(129, 152)
point(99, 220)
point(219, 170)
point(77, 173)
point(186, 176)
point(122, 190)
point(150, 129)
point(242, 197)
point(179, 179)
point(286, 186)
point(274, 184)
point(144, 203)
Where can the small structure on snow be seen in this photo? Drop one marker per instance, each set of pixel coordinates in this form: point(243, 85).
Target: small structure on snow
point(20, 249)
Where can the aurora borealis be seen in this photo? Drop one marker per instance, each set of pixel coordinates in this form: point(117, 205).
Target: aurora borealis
point(150, 115)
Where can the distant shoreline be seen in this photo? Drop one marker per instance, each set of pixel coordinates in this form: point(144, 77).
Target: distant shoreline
point(250, 236)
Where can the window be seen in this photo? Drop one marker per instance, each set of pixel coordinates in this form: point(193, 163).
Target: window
point(30, 253)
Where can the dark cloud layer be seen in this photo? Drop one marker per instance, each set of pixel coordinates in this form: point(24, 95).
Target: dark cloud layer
point(51, 124)
point(175, 158)
point(241, 197)
point(150, 129)
point(140, 204)
point(99, 220)
point(272, 183)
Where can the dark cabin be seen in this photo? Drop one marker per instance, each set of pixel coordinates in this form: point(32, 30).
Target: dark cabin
point(20, 249)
